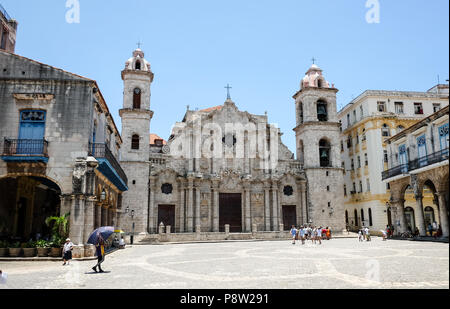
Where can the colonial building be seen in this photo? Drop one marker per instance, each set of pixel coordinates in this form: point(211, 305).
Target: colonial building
point(223, 167)
point(367, 123)
point(418, 164)
point(8, 29)
point(58, 152)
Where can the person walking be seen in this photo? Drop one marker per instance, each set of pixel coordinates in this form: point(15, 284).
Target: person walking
point(360, 236)
point(293, 234)
point(367, 233)
point(100, 252)
point(319, 235)
point(67, 252)
point(302, 234)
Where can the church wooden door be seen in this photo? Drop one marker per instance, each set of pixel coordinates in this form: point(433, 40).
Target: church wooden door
point(230, 212)
point(166, 215)
point(289, 217)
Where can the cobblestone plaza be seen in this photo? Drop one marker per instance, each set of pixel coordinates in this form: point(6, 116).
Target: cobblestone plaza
point(339, 263)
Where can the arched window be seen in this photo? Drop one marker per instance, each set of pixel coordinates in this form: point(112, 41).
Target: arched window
point(370, 217)
point(319, 83)
point(322, 112)
point(137, 98)
point(386, 131)
point(135, 142)
point(138, 65)
point(346, 216)
point(324, 151)
point(362, 217)
point(356, 217)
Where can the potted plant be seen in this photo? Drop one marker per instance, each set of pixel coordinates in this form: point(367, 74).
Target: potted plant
point(14, 249)
point(56, 247)
point(43, 248)
point(3, 248)
point(60, 231)
point(29, 249)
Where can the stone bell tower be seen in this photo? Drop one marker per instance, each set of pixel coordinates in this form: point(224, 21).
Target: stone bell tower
point(318, 148)
point(136, 116)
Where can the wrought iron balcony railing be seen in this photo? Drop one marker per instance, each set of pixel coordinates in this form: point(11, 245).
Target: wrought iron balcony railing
point(436, 157)
point(25, 147)
point(102, 151)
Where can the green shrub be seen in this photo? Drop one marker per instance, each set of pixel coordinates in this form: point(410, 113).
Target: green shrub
point(43, 244)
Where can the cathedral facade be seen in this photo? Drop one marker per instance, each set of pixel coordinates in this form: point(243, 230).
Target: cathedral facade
point(226, 170)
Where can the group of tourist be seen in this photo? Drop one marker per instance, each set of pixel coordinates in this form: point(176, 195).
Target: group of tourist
point(312, 233)
point(364, 234)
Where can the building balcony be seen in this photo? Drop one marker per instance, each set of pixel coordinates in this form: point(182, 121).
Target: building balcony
point(25, 150)
point(109, 166)
point(405, 169)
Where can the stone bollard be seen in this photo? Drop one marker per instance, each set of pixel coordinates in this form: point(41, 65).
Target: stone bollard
point(227, 229)
point(254, 228)
point(78, 252)
point(168, 229)
point(161, 228)
point(281, 227)
point(89, 250)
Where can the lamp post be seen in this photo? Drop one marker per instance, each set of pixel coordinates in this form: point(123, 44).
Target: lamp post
point(131, 214)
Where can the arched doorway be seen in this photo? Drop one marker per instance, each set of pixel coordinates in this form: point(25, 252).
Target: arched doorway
point(25, 204)
point(429, 216)
point(410, 219)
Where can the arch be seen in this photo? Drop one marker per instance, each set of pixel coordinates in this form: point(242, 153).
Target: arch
point(319, 83)
point(370, 217)
point(325, 153)
point(27, 201)
point(137, 98)
point(346, 216)
point(410, 219)
point(322, 110)
point(138, 65)
point(135, 141)
point(356, 217)
point(363, 218)
point(430, 216)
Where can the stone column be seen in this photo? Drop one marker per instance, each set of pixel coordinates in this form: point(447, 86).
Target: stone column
point(443, 217)
point(77, 220)
point(197, 207)
point(89, 218)
point(399, 215)
point(267, 207)
point(248, 218)
point(274, 209)
point(98, 215)
point(182, 201)
point(304, 204)
point(153, 225)
point(420, 215)
point(190, 208)
point(216, 209)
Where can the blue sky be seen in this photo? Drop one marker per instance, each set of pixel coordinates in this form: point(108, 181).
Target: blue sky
point(262, 48)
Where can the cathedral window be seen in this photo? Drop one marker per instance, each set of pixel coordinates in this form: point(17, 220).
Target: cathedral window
point(322, 113)
point(167, 188)
point(288, 191)
point(137, 98)
point(138, 65)
point(324, 150)
point(135, 142)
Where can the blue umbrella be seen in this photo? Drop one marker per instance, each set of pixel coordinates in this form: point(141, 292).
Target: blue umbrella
point(102, 233)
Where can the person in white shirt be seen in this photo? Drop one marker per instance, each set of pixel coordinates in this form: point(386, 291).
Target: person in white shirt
point(67, 252)
point(319, 235)
point(121, 243)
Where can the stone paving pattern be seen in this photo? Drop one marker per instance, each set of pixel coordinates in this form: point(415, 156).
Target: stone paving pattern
point(340, 263)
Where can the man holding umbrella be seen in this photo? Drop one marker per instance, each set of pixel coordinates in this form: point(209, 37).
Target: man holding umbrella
point(98, 238)
point(100, 252)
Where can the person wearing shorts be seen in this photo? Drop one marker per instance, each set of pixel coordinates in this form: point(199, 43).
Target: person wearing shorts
point(293, 234)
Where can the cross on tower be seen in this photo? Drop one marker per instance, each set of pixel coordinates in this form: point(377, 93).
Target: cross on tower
point(314, 60)
point(228, 91)
point(139, 44)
